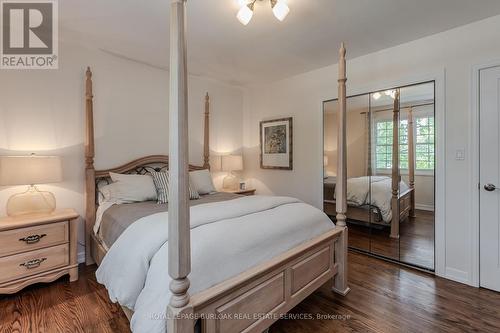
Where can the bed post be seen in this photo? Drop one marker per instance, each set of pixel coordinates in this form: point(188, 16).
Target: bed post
point(341, 186)
point(179, 311)
point(395, 168)
point(368, 144)
point(89, 165)
point(411, 161)
point(340, 280)
point(206, 133)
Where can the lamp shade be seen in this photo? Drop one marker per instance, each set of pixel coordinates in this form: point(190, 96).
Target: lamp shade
point(30, 170)
point(232, 163)
point(215, 163)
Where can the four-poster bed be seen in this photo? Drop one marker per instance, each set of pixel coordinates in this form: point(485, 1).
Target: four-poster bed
point(402, 197)
point(255, 297)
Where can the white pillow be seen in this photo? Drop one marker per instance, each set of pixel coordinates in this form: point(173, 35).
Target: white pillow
point(118, 193)
point(202, 181)
point(139, 187)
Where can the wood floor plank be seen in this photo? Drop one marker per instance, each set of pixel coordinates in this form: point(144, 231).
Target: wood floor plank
point(384, 298)
point(415, 245)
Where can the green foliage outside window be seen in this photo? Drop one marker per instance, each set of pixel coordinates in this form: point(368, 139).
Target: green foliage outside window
point(424, 144)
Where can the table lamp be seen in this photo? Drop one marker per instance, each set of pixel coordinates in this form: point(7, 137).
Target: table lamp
point(30, 170)
point(231, 163)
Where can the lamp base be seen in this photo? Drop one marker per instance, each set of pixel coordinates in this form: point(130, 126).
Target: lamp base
point(31, 201)
point(230, 182)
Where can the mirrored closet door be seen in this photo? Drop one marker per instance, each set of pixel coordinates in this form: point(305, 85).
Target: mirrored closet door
point(390, 162)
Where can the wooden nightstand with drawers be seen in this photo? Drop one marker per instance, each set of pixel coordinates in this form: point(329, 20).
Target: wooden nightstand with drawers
point(37, 248)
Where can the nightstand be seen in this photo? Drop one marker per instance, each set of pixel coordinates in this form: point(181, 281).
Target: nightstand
point(250, 191)
point(37, 248)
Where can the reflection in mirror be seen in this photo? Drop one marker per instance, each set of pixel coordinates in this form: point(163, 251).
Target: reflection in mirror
point(417, 235)
point(384, 193)
point(358, 166)
point(390, 162)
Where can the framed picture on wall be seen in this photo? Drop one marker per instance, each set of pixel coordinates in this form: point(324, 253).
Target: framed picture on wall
point(276, 144)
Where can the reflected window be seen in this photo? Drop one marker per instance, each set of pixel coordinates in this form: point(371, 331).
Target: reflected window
point(424, 144)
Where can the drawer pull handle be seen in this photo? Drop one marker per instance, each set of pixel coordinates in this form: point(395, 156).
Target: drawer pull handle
point(33, 263)
point(32, 239)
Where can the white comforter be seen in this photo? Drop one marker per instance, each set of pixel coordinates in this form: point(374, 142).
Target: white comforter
point(358, 190)
point(227, 238)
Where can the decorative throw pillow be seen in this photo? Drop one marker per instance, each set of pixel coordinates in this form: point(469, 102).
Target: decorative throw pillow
point(141, 187)
point(162, 183)
point(202, 181)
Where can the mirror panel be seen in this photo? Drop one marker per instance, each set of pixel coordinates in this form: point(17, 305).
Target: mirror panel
point(417, 234)
point(358, 164)
point(381, 196)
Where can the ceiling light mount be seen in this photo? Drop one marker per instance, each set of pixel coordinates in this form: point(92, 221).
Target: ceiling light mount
point(279, 7)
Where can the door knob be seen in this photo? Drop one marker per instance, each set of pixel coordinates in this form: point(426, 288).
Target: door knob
point(490, 187)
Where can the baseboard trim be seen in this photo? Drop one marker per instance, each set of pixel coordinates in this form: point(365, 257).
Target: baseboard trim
point(424, 207)
point(457, 275)
point(81, 257)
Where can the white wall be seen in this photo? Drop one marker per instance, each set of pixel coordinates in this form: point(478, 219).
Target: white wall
point(454, 52)
point(356, 143)
point(43, 111)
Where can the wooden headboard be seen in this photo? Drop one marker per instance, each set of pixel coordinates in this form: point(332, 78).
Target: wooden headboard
point(143, 165)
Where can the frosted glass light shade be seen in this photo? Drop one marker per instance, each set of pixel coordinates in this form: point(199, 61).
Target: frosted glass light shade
point(232, 163)
point(30, 170)
point(244, 15)
point(281, 10)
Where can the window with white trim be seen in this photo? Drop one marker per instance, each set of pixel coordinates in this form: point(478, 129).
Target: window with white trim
point(424, 144)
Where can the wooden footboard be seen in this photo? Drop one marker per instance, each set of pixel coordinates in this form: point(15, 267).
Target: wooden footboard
point(253, 300)
point(369, 214)
point(405, 204)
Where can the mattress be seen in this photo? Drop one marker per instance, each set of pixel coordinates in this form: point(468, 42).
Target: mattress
point(117, 218)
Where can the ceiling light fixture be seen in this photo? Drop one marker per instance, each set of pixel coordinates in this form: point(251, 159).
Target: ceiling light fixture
point(391, 93)
point(377, 95)
point(245, 14)
point(280, 9)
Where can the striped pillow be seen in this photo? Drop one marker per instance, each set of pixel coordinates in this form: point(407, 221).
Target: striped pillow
point(162, 182)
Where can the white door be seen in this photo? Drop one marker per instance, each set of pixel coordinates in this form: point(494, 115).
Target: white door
point(490, 178)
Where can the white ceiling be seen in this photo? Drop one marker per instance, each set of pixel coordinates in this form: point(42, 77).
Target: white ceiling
point(266, 49)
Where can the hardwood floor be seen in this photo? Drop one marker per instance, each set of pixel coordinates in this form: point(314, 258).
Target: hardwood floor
point(415, 245)
point(384, 298)
point(81, 306)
